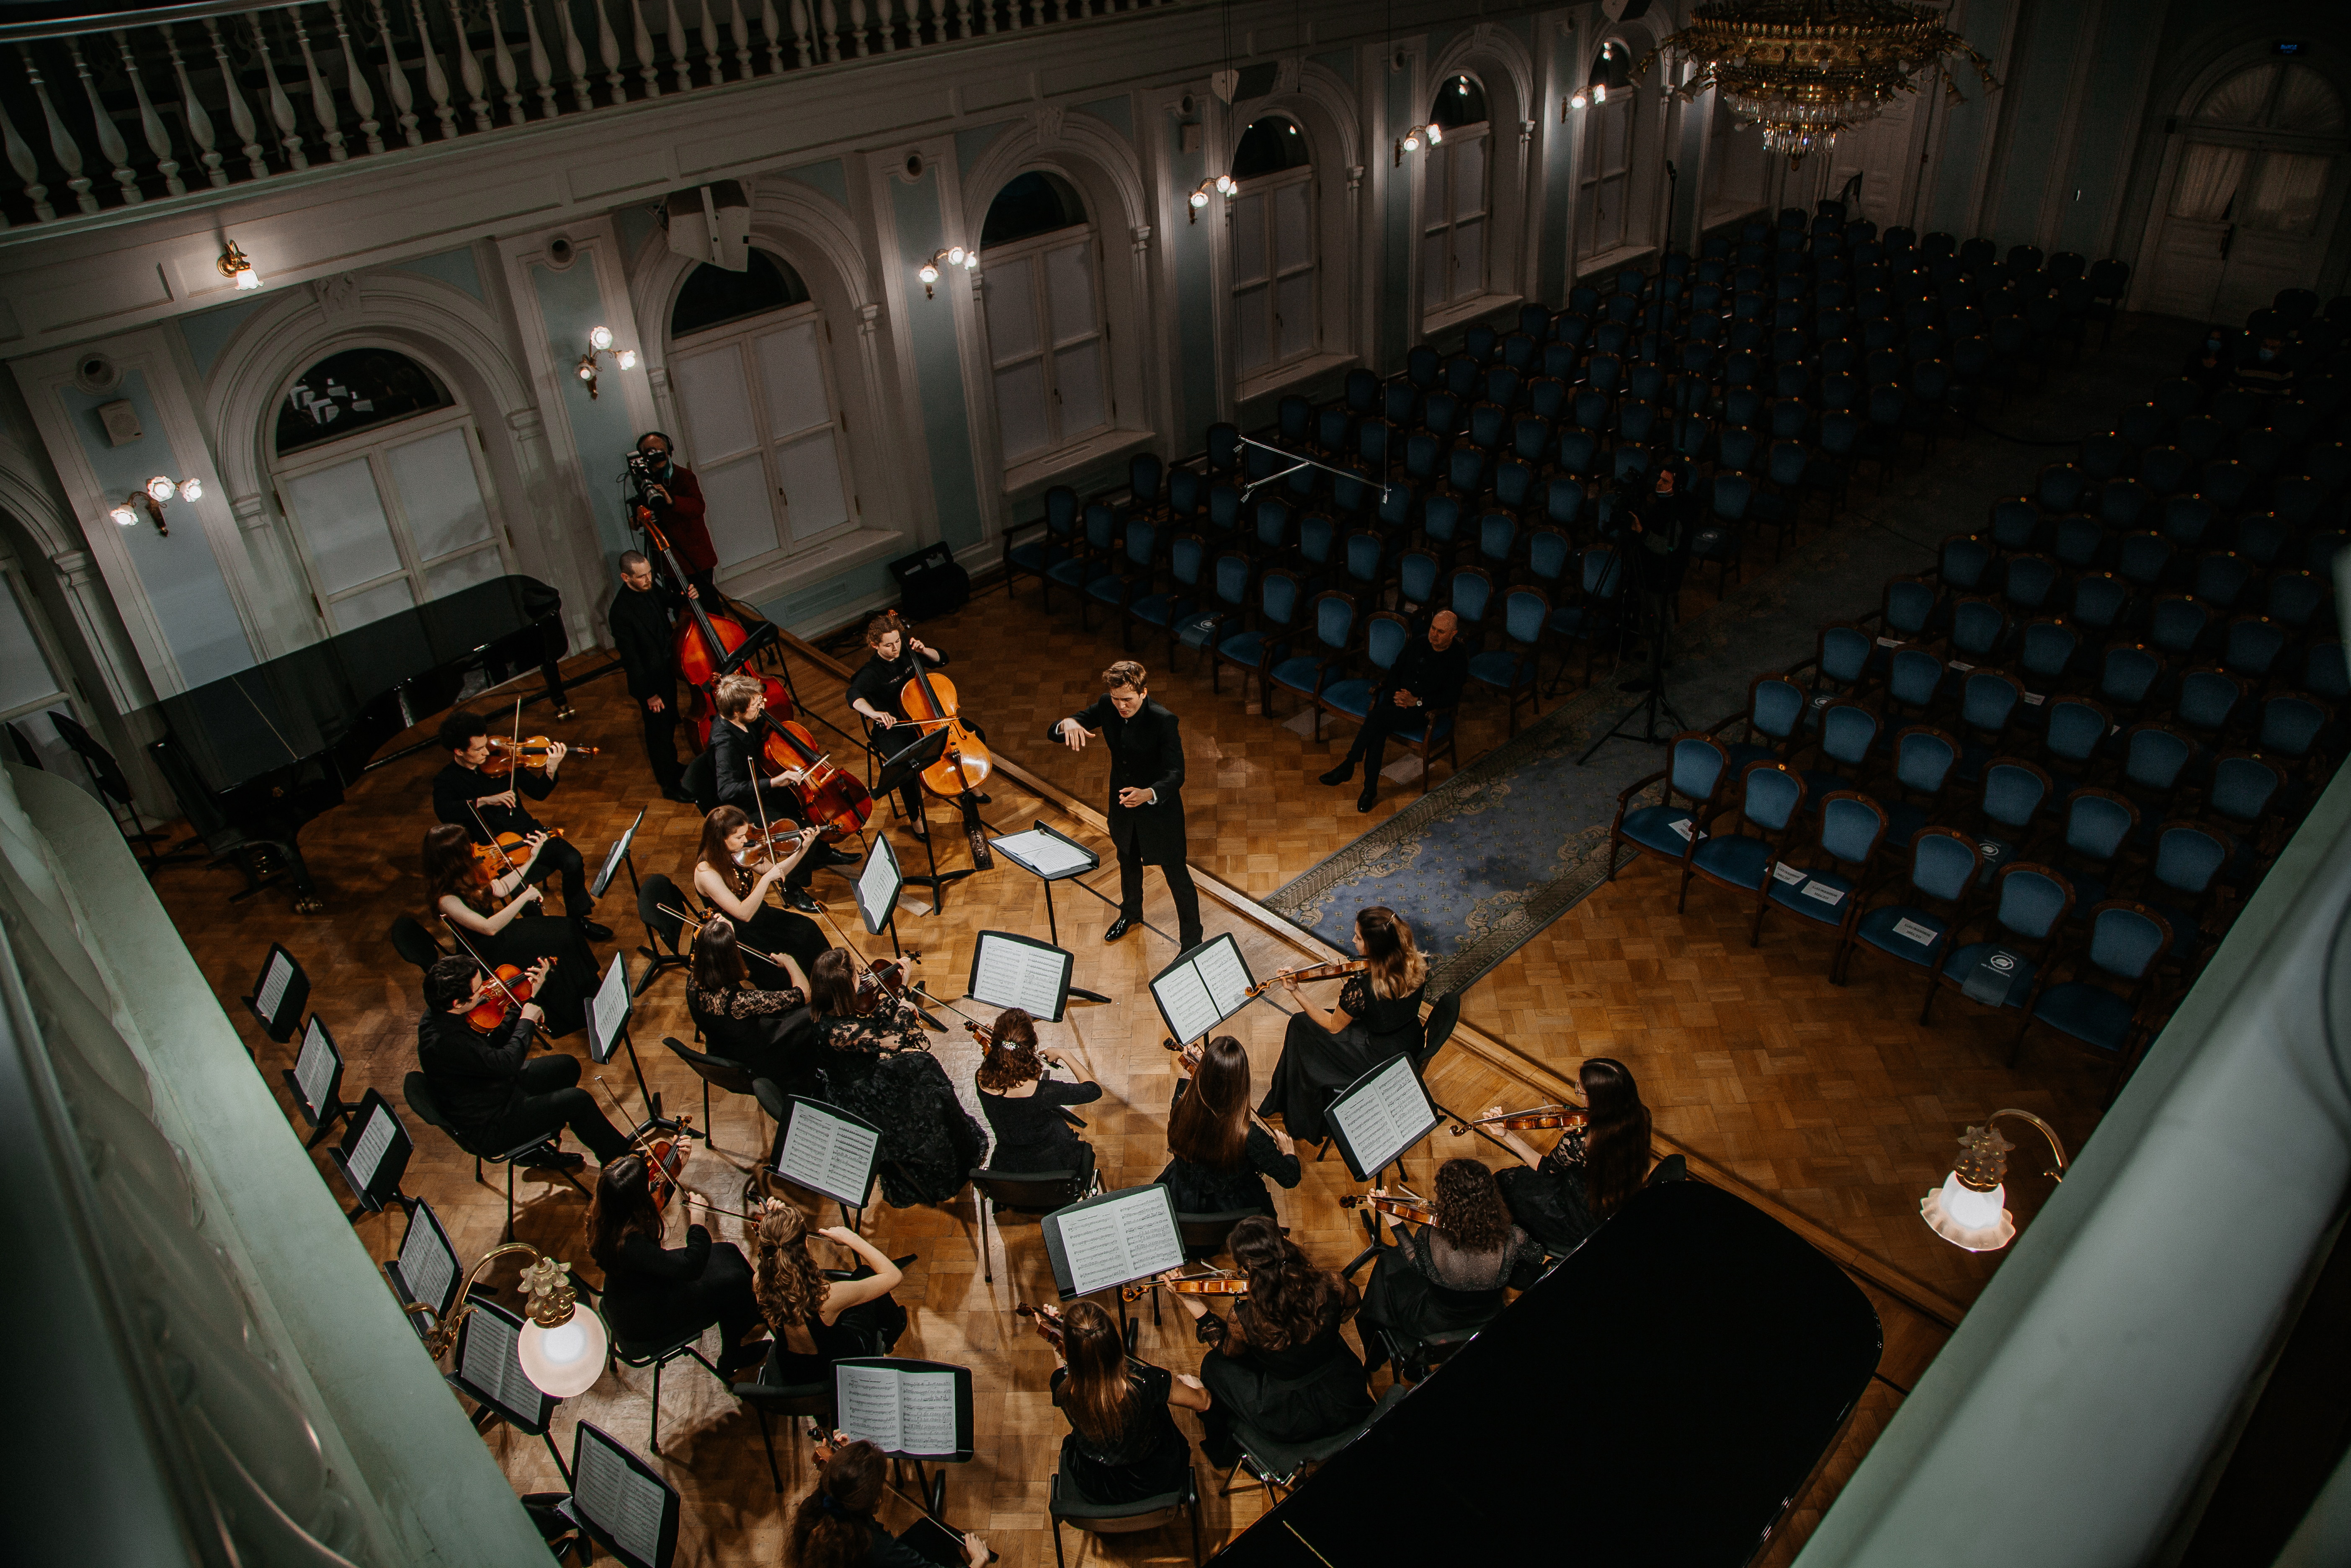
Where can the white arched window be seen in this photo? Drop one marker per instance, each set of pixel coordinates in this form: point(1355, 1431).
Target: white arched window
point(1605, 187)
point(1456, 196)
point(762, 423)
point(1270, 217)
point(1040, 284)
point(33, 677)
point(379, 468)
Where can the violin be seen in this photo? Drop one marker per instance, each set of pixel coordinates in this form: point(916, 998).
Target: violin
point(880, 982)
point(1216, 1284)
point(831, 799)
point(1335, 969)
point(1396, 1206)
point(705, 641)
point(664, 1157)
point(509, 985)
point(510, 852)
point(1536, 1120)
point(1048, 1319)
point(929, 701)
point(506, 756)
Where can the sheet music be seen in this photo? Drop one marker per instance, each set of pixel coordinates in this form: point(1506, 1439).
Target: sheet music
point(613, 856)
point(868, 1405)
point(628, 1506)
point(1043, 853)
point(1385, 1116)
point(427, 1264)
point(1224, 974)
point(315, 1068)
point(828, 1154)
point(273, 981)
point(1184, 997)
point(368, 1153)
point(1129, 1236)
point(1018, 975)
point(609, 1011)
point(926, 1412)
point(877, 885)
point(493, 1364)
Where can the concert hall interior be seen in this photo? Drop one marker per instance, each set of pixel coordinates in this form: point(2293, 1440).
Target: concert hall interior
point(925, 781)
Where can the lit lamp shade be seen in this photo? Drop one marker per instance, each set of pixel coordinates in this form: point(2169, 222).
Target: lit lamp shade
point(1966, 1217)
point(125, 515)
point(599, 338)
point(568, 1359)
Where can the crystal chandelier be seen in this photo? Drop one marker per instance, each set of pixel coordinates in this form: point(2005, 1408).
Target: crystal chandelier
point(1802, 70)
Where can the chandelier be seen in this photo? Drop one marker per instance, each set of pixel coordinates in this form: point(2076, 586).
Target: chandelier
point(1804, 70)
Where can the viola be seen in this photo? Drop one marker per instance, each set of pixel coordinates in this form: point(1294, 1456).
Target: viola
point(705, 641)
point(664, 1158)
point(506, 756)
point(833, 801)
point(1536, 1120)
point(1217, 1284)
point(1391, 1203)
point(1333, 970)
point(510, 852)
point(929, 701)
point(880, 983)
point(1048, 1318)
point(509, 985)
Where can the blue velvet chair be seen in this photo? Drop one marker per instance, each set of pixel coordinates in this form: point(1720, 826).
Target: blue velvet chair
point(1097, 555)
point(1513, 668)
point(1697, 766)
point(1174, 598)
point(1920, 912)
point(1822, 887)
point(2030, 903)
point(1274, 618)
point(2124, 943)
point(1769, 798)
point(1307, 668)
point(1033, 557)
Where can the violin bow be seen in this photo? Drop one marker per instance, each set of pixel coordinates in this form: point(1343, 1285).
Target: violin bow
point(679, 915)
point(490, 970)
point(873, 969)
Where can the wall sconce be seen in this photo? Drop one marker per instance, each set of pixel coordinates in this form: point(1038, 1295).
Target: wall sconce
point(1222, 185)
point(1968, 1210)
point(600, 341)
point(562, 1345)
point(157, 491)
point(1432, 133)
point(953, 256)
point(237, 270)
point(1577, 100)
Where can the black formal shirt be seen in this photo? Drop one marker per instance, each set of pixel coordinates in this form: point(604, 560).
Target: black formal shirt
point(475, 1077)
point(1146, 752)
point(455, 787)
point(1435, 678)
point(880, 680)
point(646, 640)
point(735, 763)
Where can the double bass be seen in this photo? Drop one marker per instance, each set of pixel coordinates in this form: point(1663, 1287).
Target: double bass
point(705, 641)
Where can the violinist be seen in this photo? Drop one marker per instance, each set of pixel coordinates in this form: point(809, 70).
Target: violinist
point(893, 657)
point(878, 1065)
point(724, 877)
point(1561, 1197)
point(1220, 1160)
point(834, 1527)
point(493, 914)
point(1377, 1016)
point(839, 1318)
point(744, 783)
point(1023, 1106)
point(462, 795)
point(640, 619)
point(1280, 1366)
point(676, 497)
point(1451, 1273)
point(487, 1092)
point(763, 1027)
point(656, 1295)
point(1123, 1446)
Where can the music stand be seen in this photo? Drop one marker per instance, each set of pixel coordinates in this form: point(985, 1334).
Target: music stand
point(373, 1156)
point(278, 994)
point(426, 1270)
point(489, 1373)
point(1203, 987)
point(616, 857)
point(316, 1080)
point(608, 1026)
point(895, 771)
point(828, 1151)
point(1009, 970)
point(1380, 1115)
point(879, 883)
point(619, 1500)
point(905, 1408)
point(1113, 1240)
point(1051, 857)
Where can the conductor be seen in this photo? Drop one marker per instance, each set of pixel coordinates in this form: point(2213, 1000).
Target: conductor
point(1146, 783)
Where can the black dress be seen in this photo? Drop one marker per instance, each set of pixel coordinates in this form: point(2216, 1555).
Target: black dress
point(1295, 1395)
point(1316, 1064)
point(768, 1031)
point(774, 931)
point(524, 941)
point(869, 1328)
point(1204, 1190)
point(880, 1069)
point(1548, 1200)
point(1425, 1285)
point(1031, 1135)
point(655, 1295)
point(1149, 1457)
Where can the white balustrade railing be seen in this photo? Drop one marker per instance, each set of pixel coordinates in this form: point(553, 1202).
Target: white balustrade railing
point(108, 112)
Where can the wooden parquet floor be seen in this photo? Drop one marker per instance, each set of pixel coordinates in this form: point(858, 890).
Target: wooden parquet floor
point(1829, 1101)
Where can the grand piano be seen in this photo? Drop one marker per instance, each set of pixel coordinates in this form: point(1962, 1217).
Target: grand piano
point(1659, 1398)
point(255, 756)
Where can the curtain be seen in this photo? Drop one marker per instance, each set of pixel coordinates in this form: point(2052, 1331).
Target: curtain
point(2208, 181)
point(2286, 191)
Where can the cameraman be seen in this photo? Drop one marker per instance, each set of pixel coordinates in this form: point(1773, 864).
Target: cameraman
point(676, 497)
point(1659, 517)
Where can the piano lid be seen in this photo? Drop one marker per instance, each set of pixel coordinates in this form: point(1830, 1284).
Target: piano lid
point(1657, 1399)
point(306, 703)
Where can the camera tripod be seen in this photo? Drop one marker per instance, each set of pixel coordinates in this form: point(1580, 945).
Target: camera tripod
point(1653, 701)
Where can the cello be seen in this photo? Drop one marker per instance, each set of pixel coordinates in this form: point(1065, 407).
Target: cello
point(705, 641)
point(831, 799)
point(929, 701)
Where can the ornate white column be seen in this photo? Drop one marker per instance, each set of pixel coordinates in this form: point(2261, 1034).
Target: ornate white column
point(127, 686)
point(558, 547)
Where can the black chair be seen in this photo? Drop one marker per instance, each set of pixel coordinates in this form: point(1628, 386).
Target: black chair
point(732, 1076)
point(418, 1091)
point(1022, 1192)
point(27, 752)
point(657, 1356)
point(1206, 1235)
point(1444, 1017)
point(768, 1397)
point(413, 943)
point(701, 781)
point(662, 931)
point(1278, 1464)
point(1123, 1518)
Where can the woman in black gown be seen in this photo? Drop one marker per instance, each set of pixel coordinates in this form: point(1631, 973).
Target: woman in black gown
point(489, 917)
point(852, 1317)
point(1561, 1197)
point(1280, 1366)
point(1220, 1160)
point(656, 1295)
point(1024, 1107)
point(740, 894)
point(768, 1031)
point(834, 1527)
point(1451, 1273)
point(1123, 1446)
point(1378, 1016)
point(878, 1066)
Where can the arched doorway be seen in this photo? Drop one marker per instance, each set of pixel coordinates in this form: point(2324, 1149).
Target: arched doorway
point(2253, 191)
point(1271, 219)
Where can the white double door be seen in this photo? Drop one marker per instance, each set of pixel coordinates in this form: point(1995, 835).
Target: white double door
point(762, 432)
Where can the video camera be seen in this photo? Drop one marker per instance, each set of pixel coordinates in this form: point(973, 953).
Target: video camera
point(644, 472)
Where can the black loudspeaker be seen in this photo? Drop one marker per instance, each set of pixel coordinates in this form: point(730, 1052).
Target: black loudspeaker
point(930, 584)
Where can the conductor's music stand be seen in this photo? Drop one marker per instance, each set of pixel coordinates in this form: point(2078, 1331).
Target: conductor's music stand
point(1074, 860)
point(895, 771)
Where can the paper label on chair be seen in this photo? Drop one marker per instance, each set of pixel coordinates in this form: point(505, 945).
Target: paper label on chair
point(1792, 875)
point(1992, 848)
point(1687, 827)
point(1964, 669)
point(1825, 892)
point(1823, 700)
point(1889, 642)
point(2034, 699)
point(1916, 931)
point(2113, 730)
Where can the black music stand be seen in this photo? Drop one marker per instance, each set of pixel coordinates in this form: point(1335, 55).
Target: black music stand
point(621, 854)
point(1061, 870)
point(278, 994)
point(1400, 1116)
point(608, 1026)
point(373, 1156)
point(316, 1080)
point(895, 771)
point(620, 1501)
point(834, 1155)
point(490, 1373)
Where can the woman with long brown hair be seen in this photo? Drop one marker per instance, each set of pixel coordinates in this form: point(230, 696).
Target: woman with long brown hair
point(1280, 1366)
point(1451, 1273)
point(728, 884)
point(856, 1316)
point(1123, 1445)
point(1377, 1016)
point(1023, 1105)
point(1221, 1158)
point(492, 915)
point(877, 1065)
point(1561, 1197)
point(766, 1030)
point(656, 1295)
point(834, 1527)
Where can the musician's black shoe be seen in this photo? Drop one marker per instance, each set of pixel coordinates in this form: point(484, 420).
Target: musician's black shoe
point(1370, 797)
point(796, 898)
point(824, 856)
point(1120, 927)
point(984, 799)
point(1340, 774)
point(547, 1157)
point(680, 795)
point(595, 932)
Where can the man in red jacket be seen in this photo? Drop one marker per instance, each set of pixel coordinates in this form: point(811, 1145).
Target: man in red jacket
point(678, 508)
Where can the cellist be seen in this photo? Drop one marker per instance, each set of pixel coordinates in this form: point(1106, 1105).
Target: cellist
point(744, 781)
point(896, 655)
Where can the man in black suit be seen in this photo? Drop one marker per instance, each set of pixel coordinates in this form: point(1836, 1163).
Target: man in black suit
point(486, 1089)
point(645, 638)
point(1146, 785)
point(1425, 680)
